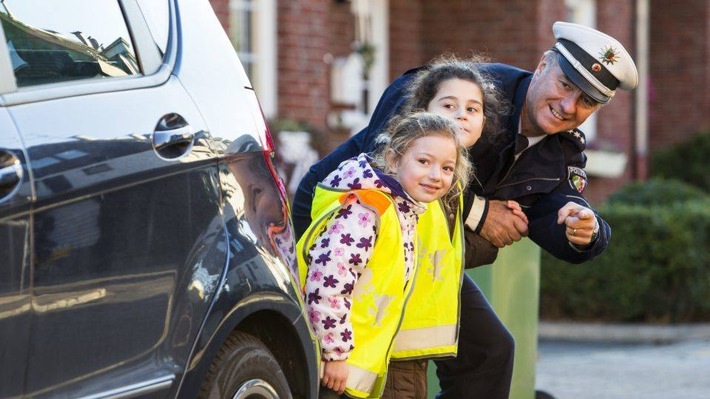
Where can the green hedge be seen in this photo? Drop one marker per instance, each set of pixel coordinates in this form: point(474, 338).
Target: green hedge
point(685, 161)
point(656, 268)
point(656, 192)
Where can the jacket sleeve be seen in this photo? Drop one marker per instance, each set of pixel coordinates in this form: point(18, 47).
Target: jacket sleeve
point(364, 141)
point(336, 261)
point(479, 251)
point(550, 236)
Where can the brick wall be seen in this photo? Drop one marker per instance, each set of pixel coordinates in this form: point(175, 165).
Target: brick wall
point(615, 121)
point(303, 88)
point(460, 27)
point(406, 39)
point(680, 100)
point(517, 34)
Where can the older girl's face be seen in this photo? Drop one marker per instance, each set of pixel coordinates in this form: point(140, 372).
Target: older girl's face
point(461, 101)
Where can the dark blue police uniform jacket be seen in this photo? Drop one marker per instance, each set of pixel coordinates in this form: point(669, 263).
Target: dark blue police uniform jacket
point(541, 179)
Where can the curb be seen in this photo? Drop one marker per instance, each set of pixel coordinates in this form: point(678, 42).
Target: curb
point(623, 333)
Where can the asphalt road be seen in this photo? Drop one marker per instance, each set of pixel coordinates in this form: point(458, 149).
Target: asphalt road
point(600, 370)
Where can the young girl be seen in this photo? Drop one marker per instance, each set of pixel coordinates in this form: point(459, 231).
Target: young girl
point(457, 90)
point(358, 258)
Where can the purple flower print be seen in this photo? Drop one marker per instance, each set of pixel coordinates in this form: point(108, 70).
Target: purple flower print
point(329, 338)
point(346, 239)
point(313, 315)
point(314, 297)
point(336, 228)
point(325, 243)
point(336, 181)
point(367, 173)
point(323, 258)
point(404, 207)
point(355, 259)
point(328, 323)
point(316, 275)
point(347, 335)
point(365, 243)
point(349, 173)
point(334, 303)
point(355, 185)
point(347, 289)
point(363, 219)
point(344, 212)
point(330, 281)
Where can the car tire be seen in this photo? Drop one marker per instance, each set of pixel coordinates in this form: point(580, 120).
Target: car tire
point(543, 395)
point(244, 368)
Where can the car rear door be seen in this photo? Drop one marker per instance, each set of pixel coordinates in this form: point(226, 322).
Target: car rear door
point(15, 199)
point(126, 216)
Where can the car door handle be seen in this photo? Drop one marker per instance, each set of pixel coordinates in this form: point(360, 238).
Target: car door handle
point(173, 136)
point(10, 173)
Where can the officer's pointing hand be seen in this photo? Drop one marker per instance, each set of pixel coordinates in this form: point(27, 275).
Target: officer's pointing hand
point(580, 223)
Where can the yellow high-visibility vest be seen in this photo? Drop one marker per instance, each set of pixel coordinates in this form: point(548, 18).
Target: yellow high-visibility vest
point(380, 293)
point(431, 320)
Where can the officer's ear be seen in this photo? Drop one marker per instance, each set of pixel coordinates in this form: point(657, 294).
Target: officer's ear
point(545, 61)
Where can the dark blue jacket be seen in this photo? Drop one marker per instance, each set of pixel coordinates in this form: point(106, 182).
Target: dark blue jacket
point(540, 179)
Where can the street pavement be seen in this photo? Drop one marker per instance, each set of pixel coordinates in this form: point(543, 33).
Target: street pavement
point(578, 361)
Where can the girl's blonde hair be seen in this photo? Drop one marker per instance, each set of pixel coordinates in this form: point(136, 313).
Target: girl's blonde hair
point(403, 130)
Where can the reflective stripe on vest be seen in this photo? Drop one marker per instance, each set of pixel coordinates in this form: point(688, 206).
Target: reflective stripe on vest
point(431, 320)
point(379, 294)
point(360, 382)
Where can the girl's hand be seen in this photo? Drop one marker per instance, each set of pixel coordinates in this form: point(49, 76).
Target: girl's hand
point(335, 375)
point(517, 210)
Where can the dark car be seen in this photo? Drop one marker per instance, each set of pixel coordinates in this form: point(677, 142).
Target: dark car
point(146, 248)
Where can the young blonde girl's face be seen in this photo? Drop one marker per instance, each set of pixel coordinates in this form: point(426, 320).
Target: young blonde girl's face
point(461, 101)
point(426, 169)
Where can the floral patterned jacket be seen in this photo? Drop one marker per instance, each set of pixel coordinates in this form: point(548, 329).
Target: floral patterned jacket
point(343, 249)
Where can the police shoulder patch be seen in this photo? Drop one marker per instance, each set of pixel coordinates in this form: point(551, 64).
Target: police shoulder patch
point(577, 178)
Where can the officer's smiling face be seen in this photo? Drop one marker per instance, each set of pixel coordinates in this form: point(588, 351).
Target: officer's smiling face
point(553, 103)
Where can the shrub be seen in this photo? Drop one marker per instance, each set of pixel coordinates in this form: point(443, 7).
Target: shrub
point(656, 192)
point(684, 161)
point(656, 268)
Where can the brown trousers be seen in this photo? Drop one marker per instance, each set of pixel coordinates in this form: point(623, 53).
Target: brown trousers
point(406, 379)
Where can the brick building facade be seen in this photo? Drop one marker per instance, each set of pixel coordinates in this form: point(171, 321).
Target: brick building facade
point(312, 33)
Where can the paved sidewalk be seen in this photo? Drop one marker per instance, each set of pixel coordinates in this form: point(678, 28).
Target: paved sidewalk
point(615, 361)
point(626, 333)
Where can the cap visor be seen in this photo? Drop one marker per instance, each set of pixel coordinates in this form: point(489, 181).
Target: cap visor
point(579, 80)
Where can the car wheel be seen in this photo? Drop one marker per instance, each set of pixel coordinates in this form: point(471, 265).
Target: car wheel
point(543, 395)
point(244, 368)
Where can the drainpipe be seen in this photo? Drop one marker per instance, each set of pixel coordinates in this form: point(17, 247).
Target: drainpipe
point(641, 115)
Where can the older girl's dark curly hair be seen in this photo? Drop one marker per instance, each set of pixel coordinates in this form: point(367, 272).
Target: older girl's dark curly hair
point(423, 88)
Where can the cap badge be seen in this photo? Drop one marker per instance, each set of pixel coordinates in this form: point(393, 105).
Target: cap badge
point(609, 55)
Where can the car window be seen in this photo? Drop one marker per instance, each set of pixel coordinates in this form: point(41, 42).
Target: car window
point(157, 15)
point(55, 41)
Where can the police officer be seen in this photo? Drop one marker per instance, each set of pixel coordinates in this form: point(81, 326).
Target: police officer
point(540, 164)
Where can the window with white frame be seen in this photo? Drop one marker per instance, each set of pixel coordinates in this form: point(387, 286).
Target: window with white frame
point(252, 29)
point(584, 12)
